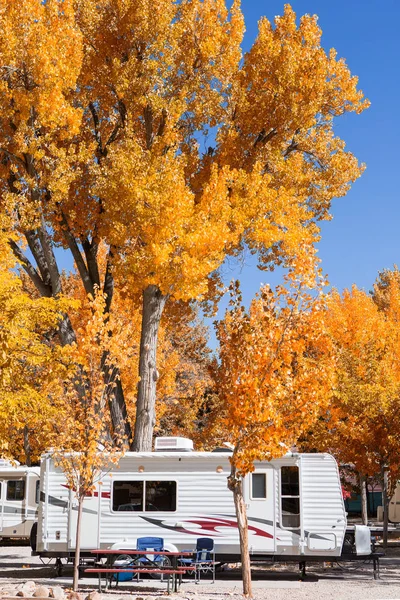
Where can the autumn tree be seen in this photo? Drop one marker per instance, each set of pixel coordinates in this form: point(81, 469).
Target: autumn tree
point(274, 379)
point(83, 448)
point(361, 425)
point(31, 364)
point(141, 125)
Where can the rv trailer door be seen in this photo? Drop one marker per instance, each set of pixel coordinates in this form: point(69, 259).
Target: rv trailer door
point(90, 521)
point(259, 492)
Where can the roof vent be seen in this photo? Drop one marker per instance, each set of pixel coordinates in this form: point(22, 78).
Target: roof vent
point(173, 444)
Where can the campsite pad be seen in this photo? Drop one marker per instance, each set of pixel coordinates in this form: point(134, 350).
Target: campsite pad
point(276, 582)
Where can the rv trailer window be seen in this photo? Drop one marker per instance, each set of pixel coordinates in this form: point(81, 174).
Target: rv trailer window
point(128, 495)
point(15, 490)
point(37, 492)
point(290, 497)
point(258, 485)
point(161, 495)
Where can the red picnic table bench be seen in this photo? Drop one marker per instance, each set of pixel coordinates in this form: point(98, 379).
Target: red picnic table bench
point(173, 571)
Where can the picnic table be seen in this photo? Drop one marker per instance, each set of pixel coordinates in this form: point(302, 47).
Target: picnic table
point(150, 566)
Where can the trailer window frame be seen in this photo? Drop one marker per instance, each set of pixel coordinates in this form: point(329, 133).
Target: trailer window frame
point(144, 482)
point(259, 498)
point(289, 496)
point(15, 481)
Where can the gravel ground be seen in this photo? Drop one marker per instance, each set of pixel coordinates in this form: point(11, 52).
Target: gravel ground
point(277, 582)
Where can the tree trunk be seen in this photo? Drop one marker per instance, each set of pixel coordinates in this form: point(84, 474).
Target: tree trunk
point(235, 485)
point(67, 333)
point(364, 504)
point(385, 498)
point(153, 306)
point(78, 544)
point(119, 415)
point(27, 447)
point(370, 507)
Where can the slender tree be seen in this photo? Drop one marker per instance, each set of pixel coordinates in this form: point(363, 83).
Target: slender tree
point(82, 445)
point(274, 378)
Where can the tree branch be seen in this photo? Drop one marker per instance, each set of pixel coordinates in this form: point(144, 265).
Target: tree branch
point(50, 259)
point(12, 156)
point(96, 126)
point(163, 122)
point(264, 137)
point(90, 249)
point(43, 288)
point(148, 120)
point(76, 253)
point(38, 254)
point(108, 287)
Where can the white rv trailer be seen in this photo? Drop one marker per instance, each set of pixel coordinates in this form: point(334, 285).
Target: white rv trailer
point(294, 504)
point(19, 499)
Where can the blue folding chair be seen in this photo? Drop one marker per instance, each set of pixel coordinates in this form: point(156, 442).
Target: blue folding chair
point(152, 543)
point(203, 560)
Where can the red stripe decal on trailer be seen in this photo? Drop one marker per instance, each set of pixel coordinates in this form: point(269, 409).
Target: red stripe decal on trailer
point(89, 494)
point(209, 526)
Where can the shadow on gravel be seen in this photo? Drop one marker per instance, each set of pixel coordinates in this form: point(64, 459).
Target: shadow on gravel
point(265, 575)
point(8, 542)
point(34, 572)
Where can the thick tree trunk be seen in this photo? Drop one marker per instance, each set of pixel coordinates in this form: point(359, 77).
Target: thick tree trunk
point(235, 485)
point(153, 306)
point(364, 504)
point(78, 543)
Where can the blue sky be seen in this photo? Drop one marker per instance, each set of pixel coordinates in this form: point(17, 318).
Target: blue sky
point(363, 236)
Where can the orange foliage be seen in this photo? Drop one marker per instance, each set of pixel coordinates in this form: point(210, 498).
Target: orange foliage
point(32, 364)
point(361, 426)
point(275, 374)
point(103, 104)
point(100, 131)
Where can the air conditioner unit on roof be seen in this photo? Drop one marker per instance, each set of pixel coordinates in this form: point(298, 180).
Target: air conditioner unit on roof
point(173, 444)
point(7, 464)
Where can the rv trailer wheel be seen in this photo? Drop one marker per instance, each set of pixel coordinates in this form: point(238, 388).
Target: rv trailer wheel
point(33, 537)
point(58, 567)
point(349, 546)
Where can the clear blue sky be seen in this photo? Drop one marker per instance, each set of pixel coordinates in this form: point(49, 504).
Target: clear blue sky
point(363, 236)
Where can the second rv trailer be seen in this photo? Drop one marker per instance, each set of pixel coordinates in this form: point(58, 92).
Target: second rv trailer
point(19, 499)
